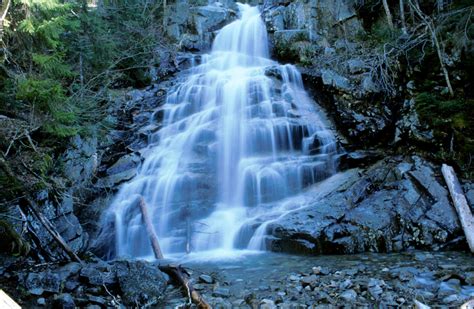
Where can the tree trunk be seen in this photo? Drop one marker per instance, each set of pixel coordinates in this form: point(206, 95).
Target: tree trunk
point(402, 17)
point(434, 38)
point(460, 203)
point(389, 15)
point(150, 230)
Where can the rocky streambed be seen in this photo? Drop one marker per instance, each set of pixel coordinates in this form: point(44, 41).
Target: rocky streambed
point(252, 280)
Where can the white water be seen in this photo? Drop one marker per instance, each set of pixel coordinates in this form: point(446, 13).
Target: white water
point(235, 143)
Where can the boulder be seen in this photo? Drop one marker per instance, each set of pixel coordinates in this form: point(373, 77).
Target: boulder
point(332, 79)
point(394, 205)
point(140, 282)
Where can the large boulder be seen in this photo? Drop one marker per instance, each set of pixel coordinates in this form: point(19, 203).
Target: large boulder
point(392, 206)
point(140, 282)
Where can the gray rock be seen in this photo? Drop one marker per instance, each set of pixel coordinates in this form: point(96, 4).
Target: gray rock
point(140, 282)
point(469, 278)
point(41, 301)
point(349, 296)
point(356, 66)
point(309, 280)
point(451, 299)
point(114, 180)
point(45, 281)
point(331, 78)
point(290, 36)
point(97, 300)
point(64, 301)
point(363, 210)
point(221, 292)
point(446, 289)
point(95, 274)
point(206, 279)
point(267, 304)
point(368, 85)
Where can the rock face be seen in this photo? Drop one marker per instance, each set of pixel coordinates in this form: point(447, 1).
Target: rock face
point(392, 206)
point(193, 24)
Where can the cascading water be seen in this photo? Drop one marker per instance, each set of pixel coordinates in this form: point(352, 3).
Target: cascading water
point(239, 136)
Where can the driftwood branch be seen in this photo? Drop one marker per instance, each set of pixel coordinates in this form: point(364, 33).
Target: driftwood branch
point(179, 275)
point(50, 228)
point(460, 203)
point(150, 230)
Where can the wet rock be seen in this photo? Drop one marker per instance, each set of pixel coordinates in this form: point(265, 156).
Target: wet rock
point(114, 180)
point(365, 209)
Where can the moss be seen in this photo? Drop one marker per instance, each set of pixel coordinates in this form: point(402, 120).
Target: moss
point(452, 121)
point(11, 242)
point(298, 51)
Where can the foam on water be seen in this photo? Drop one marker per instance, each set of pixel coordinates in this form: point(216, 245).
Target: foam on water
point(239, 136)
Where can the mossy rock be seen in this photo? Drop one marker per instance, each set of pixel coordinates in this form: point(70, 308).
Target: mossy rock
point(11, 242)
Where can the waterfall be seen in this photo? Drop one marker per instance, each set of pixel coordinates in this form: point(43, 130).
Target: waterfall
point(239, 135)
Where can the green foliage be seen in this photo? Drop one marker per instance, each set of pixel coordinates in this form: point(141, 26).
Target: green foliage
point(452, 121)
point(53, 66)
point(48, 96)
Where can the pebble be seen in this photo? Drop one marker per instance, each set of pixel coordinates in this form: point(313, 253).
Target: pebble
point(206, 279)
point(309, 280)
point(41, 301)
point(345, 284)
point(36, 291)
point(317, 270)
point(267, 304)
point(349, 296)
point(293, 278)
point(450, 299)
point(221, 292)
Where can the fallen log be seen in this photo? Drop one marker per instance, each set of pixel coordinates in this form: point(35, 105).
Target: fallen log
point(150, 230)
point(179, 275)
point(176, 272)
point(460, 203)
